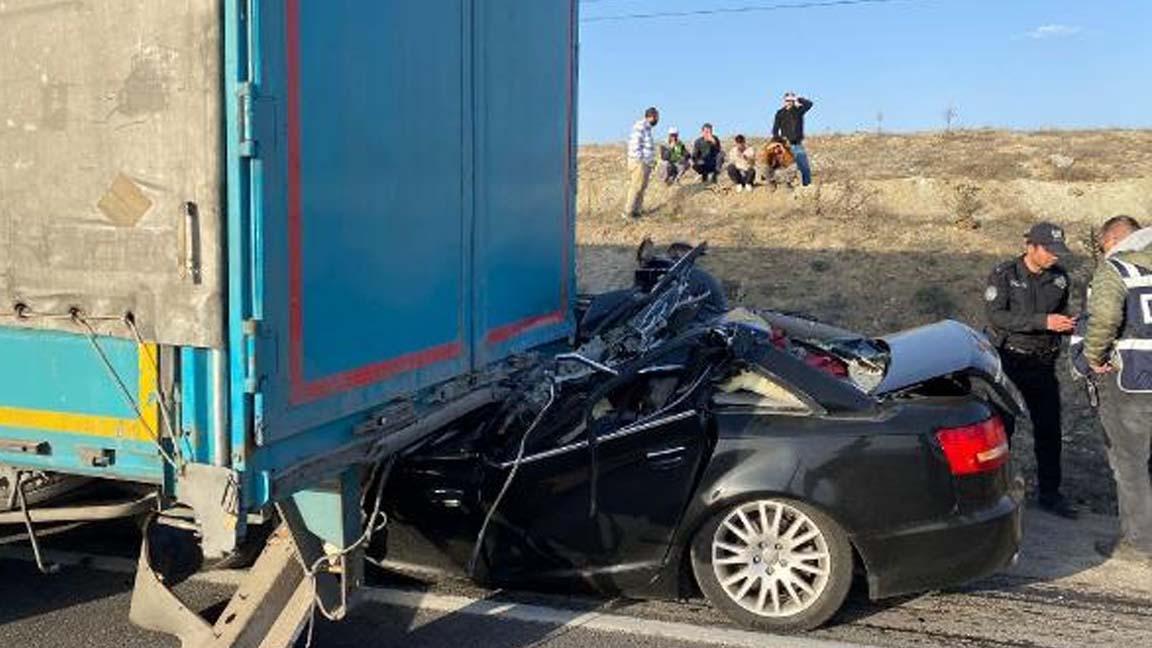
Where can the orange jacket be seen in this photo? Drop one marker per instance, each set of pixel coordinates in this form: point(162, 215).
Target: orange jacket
point(776, 155)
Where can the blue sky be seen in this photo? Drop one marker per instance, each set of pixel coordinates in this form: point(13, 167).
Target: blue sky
point(1021, 64)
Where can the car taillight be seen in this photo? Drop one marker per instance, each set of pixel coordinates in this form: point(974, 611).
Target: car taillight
point(977, 448)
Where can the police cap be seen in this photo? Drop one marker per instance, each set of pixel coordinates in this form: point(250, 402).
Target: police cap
point(1050, 236)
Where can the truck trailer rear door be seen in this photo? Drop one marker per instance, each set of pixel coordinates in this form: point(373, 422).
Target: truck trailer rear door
point(412, 183)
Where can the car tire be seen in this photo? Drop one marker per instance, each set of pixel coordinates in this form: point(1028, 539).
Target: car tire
point(773, 564)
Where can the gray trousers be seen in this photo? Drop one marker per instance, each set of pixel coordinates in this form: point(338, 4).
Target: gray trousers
point(669, 171)
point(1127, 420)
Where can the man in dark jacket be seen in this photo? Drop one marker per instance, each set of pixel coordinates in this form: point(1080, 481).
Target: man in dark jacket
point(789, 124)
point(707, 154)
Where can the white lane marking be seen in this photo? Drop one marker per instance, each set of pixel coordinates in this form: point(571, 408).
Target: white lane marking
point(522, 612)
point(605, 622)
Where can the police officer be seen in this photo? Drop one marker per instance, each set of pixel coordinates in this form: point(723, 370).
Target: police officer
point(1026, 302)
point(1118, 350)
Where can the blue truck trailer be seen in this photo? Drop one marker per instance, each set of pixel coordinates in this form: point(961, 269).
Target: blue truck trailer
point(250, 248)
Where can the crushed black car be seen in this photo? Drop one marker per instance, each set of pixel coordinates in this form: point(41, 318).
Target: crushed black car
point(764, 458)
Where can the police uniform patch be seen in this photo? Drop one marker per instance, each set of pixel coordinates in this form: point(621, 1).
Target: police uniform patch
point(990, 293)
point(1061, 282)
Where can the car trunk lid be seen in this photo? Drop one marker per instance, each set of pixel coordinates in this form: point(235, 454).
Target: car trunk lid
point(941, 349)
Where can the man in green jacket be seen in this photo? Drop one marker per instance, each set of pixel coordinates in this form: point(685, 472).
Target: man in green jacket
point(674, 157)
point(1118, 349)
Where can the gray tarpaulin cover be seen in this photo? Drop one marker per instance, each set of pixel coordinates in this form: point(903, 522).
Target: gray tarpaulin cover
point(110, 164)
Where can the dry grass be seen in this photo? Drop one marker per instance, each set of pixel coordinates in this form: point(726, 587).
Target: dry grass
point(899, 230)
point(942, 209)
point(879, 232)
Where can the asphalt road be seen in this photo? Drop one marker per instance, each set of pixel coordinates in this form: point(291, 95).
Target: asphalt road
point(86, 605)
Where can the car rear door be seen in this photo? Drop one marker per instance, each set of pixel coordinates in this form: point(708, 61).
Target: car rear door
point(610, 500)
point(647, 473)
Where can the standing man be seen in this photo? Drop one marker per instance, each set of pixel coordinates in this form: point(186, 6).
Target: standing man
point(789, 124)
point(1026, 302)
point(707, 155)
point(1118, 348)
point(641, 157)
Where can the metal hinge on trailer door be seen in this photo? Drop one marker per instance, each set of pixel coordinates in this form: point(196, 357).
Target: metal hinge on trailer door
point(245, 100)
point(251, 328)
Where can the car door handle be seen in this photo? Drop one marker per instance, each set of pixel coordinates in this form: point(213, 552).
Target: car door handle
point(666, 457)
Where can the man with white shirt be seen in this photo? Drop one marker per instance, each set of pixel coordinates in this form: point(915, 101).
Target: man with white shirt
point(641, 158)
point(742, 165)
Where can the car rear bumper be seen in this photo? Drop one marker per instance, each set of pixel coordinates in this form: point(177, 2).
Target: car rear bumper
point(943, 553)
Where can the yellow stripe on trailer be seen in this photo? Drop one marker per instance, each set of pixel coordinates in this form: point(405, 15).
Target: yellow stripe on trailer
point(143, 428)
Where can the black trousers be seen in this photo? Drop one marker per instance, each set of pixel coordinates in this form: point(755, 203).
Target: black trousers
point(1036, 379)
point(741, 177)
point(706, 169)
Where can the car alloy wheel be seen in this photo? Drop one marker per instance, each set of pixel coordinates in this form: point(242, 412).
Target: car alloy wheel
point(770, 558)
point(775, 564)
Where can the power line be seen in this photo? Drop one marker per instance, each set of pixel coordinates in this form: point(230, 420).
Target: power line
point(731, 10)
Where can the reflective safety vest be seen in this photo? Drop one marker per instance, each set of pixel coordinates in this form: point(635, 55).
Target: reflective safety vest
point(1134, 346)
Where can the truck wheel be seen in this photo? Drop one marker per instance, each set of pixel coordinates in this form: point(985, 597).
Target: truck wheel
point(773, 564)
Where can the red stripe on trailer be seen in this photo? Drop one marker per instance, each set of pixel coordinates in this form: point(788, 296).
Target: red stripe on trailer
point(296, 324)
point(509, 331)
point(374, 373)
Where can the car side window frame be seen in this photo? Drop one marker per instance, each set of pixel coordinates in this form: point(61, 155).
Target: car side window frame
point(658, 418)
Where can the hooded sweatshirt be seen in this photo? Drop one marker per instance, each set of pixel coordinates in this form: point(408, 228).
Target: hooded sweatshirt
point(1108, 294)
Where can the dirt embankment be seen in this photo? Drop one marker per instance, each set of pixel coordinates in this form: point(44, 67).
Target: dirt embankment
point(896, 231)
